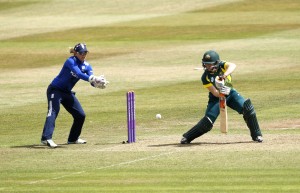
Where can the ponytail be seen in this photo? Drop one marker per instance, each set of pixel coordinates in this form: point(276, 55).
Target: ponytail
point(72, 51)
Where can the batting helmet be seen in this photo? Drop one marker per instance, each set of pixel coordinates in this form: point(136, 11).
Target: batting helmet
point(210, 57)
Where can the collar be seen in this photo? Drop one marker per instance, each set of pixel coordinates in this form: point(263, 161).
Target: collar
point(77, 60)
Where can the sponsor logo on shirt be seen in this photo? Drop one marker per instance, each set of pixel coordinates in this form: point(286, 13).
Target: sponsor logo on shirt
point(73, 74)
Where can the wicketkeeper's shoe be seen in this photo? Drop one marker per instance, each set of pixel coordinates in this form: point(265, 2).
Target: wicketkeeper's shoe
point(49, 142)
point(259, 139)
point(184, 141)
point(78, 141)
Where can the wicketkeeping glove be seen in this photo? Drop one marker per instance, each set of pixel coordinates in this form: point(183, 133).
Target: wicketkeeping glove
point(225, 90)
point(101, 82)
point(92, 79)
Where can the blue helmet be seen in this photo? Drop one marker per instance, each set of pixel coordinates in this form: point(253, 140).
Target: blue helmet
point(80, 48)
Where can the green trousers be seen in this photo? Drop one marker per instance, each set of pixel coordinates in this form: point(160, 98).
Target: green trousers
point(234, 100)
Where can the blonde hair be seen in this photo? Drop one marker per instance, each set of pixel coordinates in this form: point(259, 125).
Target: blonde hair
point(72, 51)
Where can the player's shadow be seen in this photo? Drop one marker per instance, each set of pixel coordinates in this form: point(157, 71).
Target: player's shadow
point(38, 146)
point(200, 143)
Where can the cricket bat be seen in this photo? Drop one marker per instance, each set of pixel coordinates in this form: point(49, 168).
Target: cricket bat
point(223, 109)
point(223, 114)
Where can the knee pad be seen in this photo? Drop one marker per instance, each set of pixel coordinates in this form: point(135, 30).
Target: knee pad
point(248, 109)
point(206, 124)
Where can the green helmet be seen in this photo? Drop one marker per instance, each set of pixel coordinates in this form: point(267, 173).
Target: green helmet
point(210, 57)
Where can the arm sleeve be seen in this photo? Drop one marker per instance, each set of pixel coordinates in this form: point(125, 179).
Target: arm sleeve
point(225, 65)
point(89, 70)
point(74, 68)
point(205, 81)
point(228, 82)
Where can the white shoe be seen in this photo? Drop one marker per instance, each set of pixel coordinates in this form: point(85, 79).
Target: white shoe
point(78, 141)
point(49, 142)
point(259, 139)
point(184, 140)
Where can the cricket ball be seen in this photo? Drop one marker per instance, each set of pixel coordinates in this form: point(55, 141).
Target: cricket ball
point(158, 116)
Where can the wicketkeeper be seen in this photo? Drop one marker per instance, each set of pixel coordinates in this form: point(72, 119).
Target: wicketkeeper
point(214, 67)
point(60, 92)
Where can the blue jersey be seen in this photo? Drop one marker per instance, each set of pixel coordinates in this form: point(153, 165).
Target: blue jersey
point(72, 70)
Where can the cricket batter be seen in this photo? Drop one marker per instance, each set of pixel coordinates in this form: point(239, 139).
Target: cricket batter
point(60, 92)
point(214, 67)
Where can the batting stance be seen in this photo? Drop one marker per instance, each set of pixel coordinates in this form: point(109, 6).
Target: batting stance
point(214, 67)
point(59, 92)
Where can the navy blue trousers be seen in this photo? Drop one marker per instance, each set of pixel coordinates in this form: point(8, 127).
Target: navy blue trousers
point(71, 104)
point(234, 100)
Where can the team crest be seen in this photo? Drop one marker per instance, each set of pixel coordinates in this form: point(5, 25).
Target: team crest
point(212, 79)
point(207, 56)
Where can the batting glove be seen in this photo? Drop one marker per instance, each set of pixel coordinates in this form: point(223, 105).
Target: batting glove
point(225, 90)
point(222, 77)
point(219, 83)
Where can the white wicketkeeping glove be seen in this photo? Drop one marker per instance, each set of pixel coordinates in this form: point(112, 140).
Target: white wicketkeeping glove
point(92, 79)
point(225, 90)
point(101, 82)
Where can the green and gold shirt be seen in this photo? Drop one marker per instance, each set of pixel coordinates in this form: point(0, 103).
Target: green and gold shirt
point(208, 79)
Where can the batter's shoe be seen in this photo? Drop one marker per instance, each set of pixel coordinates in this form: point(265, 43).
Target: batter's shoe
point(184, 141)
point(49, 142)
point(259, 139)
point(78, 141)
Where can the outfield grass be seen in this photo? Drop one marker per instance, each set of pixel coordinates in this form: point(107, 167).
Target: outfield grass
point(150, 47)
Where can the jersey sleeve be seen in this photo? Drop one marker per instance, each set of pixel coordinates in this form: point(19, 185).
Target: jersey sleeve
point(206, 81)
point(89, 70)
point(70, 63)
point(224, 67)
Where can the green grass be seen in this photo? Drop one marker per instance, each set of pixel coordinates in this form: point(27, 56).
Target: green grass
point(161, 33)
point(7, 4)
point(256, 5)
point(155, 57)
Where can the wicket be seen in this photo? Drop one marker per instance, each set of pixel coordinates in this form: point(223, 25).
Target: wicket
point(130, 116)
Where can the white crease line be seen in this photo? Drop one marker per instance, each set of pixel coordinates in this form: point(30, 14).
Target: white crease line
point(137, 160)
point(110, 166)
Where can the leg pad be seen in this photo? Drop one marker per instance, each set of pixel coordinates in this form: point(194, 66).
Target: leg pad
point(202, 127)
point(250, 118)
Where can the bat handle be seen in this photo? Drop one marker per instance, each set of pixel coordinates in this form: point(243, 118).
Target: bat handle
point(222, 77)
